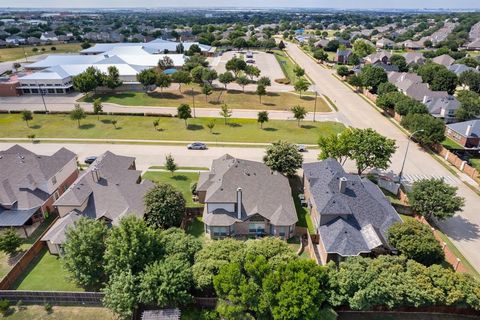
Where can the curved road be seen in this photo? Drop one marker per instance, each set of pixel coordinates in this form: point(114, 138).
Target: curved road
point(464, 228)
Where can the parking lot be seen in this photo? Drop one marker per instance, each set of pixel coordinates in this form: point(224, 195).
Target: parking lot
point(266, 62)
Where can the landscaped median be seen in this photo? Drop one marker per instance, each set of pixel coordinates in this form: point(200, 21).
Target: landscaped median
point(235, 99)
point(173, 129)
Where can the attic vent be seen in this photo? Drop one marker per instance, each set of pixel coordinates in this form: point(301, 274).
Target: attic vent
point(245, 172)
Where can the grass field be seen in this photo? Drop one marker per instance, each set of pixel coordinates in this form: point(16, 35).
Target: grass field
point(16, 53)
point(35, 312)
point(139, 127)
point(235, 99)
point(180, 180)
point(475, 163)
point(286, 64)
point(45, 273)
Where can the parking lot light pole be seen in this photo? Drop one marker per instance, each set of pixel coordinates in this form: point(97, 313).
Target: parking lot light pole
point(405, 156)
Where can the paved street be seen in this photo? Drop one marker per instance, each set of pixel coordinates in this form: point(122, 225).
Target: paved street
point(464, 228)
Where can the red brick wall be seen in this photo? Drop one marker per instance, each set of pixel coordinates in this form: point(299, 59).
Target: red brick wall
point(48, 205)
point(9, 89)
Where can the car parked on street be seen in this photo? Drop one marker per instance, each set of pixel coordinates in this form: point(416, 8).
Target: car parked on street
point(90, 159)
point(301, 148)
point(197, 146)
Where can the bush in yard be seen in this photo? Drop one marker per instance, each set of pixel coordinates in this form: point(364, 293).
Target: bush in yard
point(84, 248)
point(164, 206)
point(4, 307)
point(434, 198)
point(283, 157)
point(416, 241)
point(433, 128)
point(10, 241)
point(48, 307)
point(372, 77)
point(343, 71)
point(386, 87)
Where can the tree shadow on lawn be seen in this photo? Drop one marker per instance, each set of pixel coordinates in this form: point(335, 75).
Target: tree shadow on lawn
point(269, 104)
point(36, 126)
point(194, 127)
point(307, 98)
point(272, 94)
point(106, 121)
point(166, 95)
point(270, 129)
point(307, 126)
point(86, 126)
point(179, 178)
point(234, 125)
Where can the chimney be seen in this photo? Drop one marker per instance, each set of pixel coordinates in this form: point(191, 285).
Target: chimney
point(468, 132)
point(95, 175)
point(342, 184)
point(239, 203)
point(425, 99)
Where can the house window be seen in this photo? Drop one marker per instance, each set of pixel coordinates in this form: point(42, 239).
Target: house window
point(54, 180)
point(56, 195)
point(219, 231)
point(258, 228)
point(282, 231)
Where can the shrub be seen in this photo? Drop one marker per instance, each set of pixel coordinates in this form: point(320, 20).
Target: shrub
point(4, 306)
point(416, 241)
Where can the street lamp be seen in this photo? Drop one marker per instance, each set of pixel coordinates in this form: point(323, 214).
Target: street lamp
point(406, 151)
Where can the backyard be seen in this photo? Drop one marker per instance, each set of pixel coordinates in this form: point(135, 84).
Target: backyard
point(235, 99)
point(35, 312)
point(180, 180)
point(304, 219)
point(45, 273)
point(16, 53)
point(139, 127)
point(5, 264)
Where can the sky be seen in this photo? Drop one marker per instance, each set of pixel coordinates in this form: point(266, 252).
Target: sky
point(244, 3)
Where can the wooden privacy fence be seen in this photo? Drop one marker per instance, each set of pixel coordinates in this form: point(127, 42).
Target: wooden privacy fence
point(457, 162)
point(53, 297)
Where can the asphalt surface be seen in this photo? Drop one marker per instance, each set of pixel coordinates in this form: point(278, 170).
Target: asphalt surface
point(464, 228)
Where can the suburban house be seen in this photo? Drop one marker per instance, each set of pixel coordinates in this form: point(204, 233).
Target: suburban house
point(350, 214)
point(442, 107)
point(414, 58)
point(444, 60)
point(412, 45)
point(29, 185)
point(109, 189)
point(385, 43)
point(343, 56)
point(474, 45)
point(458, 69)
point(246, 198)
point(466, 134)
point(378, 57)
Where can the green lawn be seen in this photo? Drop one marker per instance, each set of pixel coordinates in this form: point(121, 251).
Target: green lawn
point(180, 180)
point(286, 64)
point(139, 127)
point(16, 53)
point(196, 228)
point(45, 273)
point(5, 266)
point(180, 168)
point(475, 163)
point(235, 99)
point(36, 312)
point(304, 219)
point(450, 144)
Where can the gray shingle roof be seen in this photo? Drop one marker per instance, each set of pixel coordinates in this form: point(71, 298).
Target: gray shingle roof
point(461, 127)
point(57, 233)
point(23, 173)
point(353, 221)
point(263, 192)
point(115, 194)
point(444, 60)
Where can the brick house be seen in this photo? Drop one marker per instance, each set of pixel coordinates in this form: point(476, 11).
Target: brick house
point(466, 134)
point(246, 199)
point(30, 183)
point(350, 214)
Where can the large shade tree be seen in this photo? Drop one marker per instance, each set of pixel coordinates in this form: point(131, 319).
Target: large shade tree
point(283, 157)
point(164, 206)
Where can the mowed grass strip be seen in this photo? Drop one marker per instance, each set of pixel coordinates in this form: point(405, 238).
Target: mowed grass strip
point(182, 181)
point(9, 54)
point(37, 312)
point(46, 273)
point(235, 99)
point(141, 128)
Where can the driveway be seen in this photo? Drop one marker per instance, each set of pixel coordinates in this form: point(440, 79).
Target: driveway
point(464, 228)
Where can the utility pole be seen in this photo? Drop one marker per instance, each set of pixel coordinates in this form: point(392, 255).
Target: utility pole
point(405, 157)
point(43, 98)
